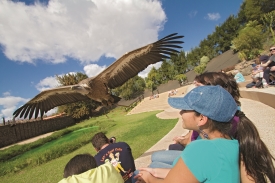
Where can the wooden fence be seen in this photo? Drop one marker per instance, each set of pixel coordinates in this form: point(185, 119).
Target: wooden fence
point(10, 134)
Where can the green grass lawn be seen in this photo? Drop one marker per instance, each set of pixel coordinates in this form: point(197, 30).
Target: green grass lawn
point(140, 131)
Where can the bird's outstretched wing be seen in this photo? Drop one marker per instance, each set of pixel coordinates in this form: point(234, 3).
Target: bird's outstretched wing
point(49, 99)
point(130, 64)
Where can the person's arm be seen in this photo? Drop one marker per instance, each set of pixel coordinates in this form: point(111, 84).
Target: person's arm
point(266, 64)
point(186, 139)
point(179, 173)
point(157, 172)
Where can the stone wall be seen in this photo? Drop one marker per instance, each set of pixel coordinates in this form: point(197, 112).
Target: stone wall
point(10, 134)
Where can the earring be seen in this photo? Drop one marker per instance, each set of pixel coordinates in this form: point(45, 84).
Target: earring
point(203, 133)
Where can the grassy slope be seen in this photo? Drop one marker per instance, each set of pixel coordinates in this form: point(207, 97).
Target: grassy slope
point(140, 131)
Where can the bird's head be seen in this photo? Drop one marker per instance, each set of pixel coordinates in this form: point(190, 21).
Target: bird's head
point(81, 89)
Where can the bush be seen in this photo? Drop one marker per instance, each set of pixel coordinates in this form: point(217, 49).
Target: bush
point(36, 153)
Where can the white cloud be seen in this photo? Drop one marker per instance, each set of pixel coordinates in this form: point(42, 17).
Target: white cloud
point(5, 94)
point(84, 30)
point(47, 83)
point(145, 72)
point(9, 104)
point(10, 101)
point(51, 112)
point(192, 14)
point(213, 16)
point(93, 69)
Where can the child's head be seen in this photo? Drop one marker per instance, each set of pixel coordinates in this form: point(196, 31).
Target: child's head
point(79, 164)
point(222, 79)
point(213, 102)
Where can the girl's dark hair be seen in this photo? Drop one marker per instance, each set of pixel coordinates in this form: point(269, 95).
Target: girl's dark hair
point(79, 164)
point(224, 128)
point(222, 79)
point(253, 152)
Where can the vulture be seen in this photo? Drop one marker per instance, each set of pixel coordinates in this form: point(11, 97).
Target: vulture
point(97, 88)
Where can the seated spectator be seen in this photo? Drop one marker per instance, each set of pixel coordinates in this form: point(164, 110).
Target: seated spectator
point(257, 71)
point(118, 154)
point(238, 76)
point(256, 75)
point(164, 159)
point(211, 110)
point(266, 70)
point(170, 93)
point(258, 83)
point(156, 96)
point(269, 65)
point(83, 168)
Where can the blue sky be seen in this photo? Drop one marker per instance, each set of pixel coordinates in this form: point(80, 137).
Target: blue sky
point(41, 39)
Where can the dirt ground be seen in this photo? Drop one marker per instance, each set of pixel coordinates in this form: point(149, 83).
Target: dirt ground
point(30, 140)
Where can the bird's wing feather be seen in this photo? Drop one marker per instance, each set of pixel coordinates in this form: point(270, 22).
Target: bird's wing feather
point(130, 64)
point(49, 99)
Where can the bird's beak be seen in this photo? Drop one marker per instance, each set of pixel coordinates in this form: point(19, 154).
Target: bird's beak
point(76, 87)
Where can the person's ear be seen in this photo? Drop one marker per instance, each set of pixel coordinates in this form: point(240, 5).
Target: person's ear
point(202, 120)
point(96, 149)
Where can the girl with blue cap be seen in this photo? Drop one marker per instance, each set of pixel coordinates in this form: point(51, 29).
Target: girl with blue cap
point(216, 157)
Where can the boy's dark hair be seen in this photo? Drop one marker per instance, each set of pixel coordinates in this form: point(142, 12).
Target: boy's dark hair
point(79, 164)
point(99, 140)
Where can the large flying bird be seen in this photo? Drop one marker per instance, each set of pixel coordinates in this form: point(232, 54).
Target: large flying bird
point(97, 88)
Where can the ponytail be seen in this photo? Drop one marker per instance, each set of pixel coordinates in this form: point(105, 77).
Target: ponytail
point(253, 152)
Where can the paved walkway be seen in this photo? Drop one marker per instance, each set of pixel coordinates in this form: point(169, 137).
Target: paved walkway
point(262, 115)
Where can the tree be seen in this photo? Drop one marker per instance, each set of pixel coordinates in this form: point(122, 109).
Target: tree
point(71, 79)
point(267, 5)
point(166, 71)
point(130, 89)
point(181, 78)
point(193, 57)
point(241, 18)
point(180, 62)
point(253, 10)
point(153, 79)
point(208, 46)
point(269, 22)
point(225, 33)
point(204, 60)
point(78, 110)
point(203, 63)
point(250, 40)
point(200, 68)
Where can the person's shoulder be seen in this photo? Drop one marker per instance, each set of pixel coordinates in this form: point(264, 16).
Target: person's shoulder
point(200, 144)
point(203, 144)
point(123, 144)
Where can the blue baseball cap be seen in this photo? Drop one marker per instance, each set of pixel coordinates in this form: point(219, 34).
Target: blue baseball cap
point(212, 101)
